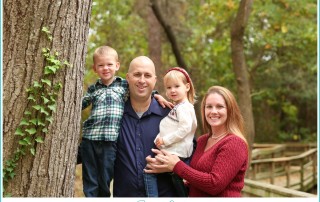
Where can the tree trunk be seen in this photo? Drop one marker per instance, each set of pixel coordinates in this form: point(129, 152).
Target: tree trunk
point(155, 49)
point(240, 68)
point(51, 171)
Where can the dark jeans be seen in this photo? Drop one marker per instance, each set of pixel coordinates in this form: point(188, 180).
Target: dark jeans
point(97, 167)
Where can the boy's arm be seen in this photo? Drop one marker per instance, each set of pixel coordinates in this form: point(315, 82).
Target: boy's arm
point(163, 102)
point(87, 99)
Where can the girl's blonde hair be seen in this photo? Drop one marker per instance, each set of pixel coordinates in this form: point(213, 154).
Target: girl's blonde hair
point(177, 73)
point(234, 122)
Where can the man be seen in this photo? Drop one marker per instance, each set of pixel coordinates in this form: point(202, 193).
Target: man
point(140, 125)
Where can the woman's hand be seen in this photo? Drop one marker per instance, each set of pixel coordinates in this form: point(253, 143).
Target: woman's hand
point(163, 162)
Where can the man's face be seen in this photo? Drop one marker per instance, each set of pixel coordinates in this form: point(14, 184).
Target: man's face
point(142, 79)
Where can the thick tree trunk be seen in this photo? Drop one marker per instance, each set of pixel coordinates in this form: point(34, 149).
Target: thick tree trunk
point(51, 172)
point(240, 68)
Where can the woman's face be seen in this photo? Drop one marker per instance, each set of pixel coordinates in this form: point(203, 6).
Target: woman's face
point(215, 110)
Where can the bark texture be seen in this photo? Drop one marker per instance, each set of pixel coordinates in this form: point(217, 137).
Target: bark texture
point(240, 68)
point(51, 172)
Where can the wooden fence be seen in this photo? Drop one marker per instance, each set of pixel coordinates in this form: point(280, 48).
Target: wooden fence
point(272, 164)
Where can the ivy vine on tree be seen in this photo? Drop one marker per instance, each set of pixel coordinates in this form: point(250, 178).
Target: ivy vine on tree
point(42, 96)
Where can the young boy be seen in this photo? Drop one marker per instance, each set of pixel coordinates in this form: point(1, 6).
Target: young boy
point(100, 131)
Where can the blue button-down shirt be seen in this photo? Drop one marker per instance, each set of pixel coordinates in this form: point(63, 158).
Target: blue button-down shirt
point(134, 145)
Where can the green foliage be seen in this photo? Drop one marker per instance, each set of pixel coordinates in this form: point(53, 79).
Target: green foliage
point(280, 49)
point(42, 96)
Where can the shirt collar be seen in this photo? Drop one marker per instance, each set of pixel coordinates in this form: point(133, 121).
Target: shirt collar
point(116, 78)
point(154, 108)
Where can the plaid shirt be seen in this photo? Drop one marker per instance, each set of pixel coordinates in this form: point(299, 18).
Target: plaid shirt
point(107, 109)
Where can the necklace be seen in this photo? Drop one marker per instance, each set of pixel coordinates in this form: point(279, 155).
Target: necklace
point(218, 137)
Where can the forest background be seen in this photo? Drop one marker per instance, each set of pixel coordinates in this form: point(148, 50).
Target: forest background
point(280, 44)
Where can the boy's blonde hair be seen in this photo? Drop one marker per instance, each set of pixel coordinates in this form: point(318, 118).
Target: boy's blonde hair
point(105, 50)
point(177, 73)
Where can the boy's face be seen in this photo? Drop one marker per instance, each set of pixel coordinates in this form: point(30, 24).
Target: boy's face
point(106, 66)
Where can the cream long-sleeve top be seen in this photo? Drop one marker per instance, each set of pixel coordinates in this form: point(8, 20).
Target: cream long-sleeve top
point(178, 129)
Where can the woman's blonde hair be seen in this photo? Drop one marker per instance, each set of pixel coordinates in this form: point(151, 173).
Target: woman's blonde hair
point(177, 73)
point(234, 122)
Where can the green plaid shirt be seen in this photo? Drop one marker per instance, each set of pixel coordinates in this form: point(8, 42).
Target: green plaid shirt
point(107, 109)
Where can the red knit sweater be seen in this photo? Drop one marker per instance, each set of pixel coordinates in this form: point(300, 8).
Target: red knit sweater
point(219, 171)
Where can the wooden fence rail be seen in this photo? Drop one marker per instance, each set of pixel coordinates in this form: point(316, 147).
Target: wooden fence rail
point(261, 189)
point(299, 172)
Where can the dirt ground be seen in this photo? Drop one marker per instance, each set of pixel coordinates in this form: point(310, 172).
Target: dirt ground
point(78, 183)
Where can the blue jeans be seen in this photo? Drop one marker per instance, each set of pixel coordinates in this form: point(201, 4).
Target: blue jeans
point(151, 184)
point(97, 167)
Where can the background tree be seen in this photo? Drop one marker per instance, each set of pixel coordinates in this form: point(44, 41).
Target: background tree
point(50, 171)
point(240, 68)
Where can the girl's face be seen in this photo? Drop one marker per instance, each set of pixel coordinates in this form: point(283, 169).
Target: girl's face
point(176, 90)
point(215, 111)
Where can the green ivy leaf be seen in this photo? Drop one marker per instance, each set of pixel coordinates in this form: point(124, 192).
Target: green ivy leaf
point(36, 84)
point(45, 30)
point(58, 86)
point(24, 122)
point(39, 139)
point(12, 174)
point(47, 70)
point(29, 90)
point(34, 121)
point(19, 132)
point(52, 107)
point(32, 151)
point(27, 140)
point(45, 100)
point(49, 118)
point(37, 107)
point(27, 113)
point(46, 81)
point(40, 123)
point(45, 50)
point(31, 131)
point(66, 63)
point(10, 169)
point(42, 110)
point(45, 130)
point(8, 162)
point(22, 142)
point(31, 97)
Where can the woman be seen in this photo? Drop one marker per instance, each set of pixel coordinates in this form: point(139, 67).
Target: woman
point(220, 160)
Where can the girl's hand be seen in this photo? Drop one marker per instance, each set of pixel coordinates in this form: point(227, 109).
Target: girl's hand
point(163, 162)
point(159, 142)
point(163, 102)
